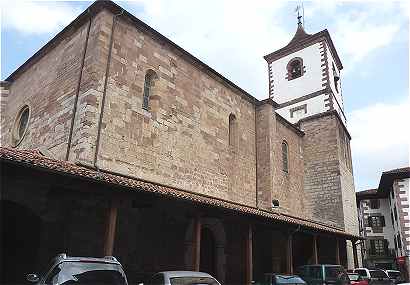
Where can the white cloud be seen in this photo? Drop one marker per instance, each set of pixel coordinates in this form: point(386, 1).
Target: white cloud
point(231, 36)
point(357, 35)
point(380, 140)
point(360, 28)
point(29, 17)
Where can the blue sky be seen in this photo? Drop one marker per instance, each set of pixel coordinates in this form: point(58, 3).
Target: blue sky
point(372, 39)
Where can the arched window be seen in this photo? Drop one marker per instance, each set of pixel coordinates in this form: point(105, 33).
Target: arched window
point(232, 130)
point(295, 68)
point(285, 156)
point(150, 78)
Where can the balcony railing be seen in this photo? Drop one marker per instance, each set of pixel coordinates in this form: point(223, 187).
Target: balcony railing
point(390, 253)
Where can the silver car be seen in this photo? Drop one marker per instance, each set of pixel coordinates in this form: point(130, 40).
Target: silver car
point(182, 278)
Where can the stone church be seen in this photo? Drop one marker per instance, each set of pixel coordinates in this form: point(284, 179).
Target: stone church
point(117, 141)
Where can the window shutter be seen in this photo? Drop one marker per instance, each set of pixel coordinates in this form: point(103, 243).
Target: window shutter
point(370, 221)
point(382, 221)
point(372, 247)
point(386, 246)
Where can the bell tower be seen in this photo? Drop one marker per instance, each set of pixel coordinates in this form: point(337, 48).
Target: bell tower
point(305, 84)
point(304, 76)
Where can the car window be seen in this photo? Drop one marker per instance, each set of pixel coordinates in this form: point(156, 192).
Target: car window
point(393, 274)
point(335, 273)
point(288, 279)
point(354, 277)
point(377, 274)
point(314, 272)
point(78, 273)
point(361, 272)
point(188, 280)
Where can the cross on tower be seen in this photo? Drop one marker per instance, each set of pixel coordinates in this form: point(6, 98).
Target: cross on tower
point(298, 8)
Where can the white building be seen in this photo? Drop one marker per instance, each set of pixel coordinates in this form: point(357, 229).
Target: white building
point(384, 221)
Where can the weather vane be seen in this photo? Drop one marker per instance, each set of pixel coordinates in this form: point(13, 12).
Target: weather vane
point(298, 9)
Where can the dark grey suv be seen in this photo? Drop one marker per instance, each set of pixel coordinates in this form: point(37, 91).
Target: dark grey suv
point(320, 274)
point(67, 270)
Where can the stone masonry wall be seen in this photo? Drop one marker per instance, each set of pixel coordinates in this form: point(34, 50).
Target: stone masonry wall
point(288, 187)
point(347, 183)
point(265, 141)
point(322, 184)
point(91, 89)
point(48, 88)
point(182, 141)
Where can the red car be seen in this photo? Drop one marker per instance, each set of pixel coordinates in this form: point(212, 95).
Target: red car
point(356, 279)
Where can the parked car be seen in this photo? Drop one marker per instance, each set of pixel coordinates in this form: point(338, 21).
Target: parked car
point(374, 276)
point(394, 275)
point(279, 279)
point(69, 270)
point(182, 278)
point(320, 274)
point(356, 279)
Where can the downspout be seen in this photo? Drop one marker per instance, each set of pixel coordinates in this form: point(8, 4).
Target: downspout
point(77, 91)
point(107, 71)
point(256, 159)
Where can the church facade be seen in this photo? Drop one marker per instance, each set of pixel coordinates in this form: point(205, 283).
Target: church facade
point(111, 97)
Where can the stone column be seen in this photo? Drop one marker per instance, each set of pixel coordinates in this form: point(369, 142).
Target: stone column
point(315, 252)
point(111, 224)
point(197, 243)
point(289, 254)
point(248, 256)
point(337, 252)
point(355, 260)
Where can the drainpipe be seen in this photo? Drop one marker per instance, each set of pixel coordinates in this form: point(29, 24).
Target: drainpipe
point(256, 158)
point(77, 91)
point(107, 71)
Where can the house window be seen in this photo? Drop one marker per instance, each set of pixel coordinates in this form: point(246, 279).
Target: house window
point(295, 68)
point(374, 204)
point(20, 125)
point(378, 247)
point(232, 130)
point(376, 221)
point(285, 160)
point(150, 78)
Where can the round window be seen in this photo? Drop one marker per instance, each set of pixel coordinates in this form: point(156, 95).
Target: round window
point(20, 125)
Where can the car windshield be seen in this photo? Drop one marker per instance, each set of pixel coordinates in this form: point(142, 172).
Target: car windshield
point(377, 274)
point(335, 273)
point(393, 274)
point(88, 273)
point(290, 279)
point(192, 280)
point(354, 277)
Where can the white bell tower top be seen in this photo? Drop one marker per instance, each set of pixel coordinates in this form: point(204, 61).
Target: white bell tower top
point(304, 76)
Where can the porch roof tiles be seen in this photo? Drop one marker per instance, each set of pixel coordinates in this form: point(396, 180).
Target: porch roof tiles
point(35, 159)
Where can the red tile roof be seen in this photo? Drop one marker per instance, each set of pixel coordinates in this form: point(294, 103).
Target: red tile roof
point(34, 158)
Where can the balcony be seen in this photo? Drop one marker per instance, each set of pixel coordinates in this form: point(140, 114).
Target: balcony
point(390, 253)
